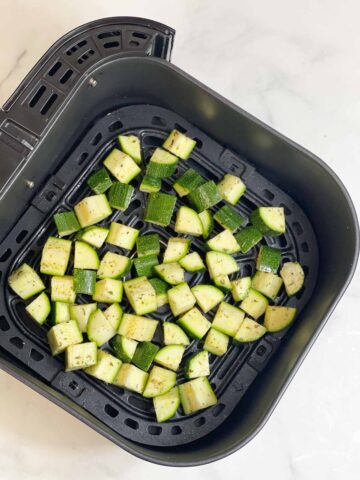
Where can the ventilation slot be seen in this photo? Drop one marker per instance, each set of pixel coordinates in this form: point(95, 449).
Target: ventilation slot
point(82, 158)
point(297, 228)
point(158, 121)
point(4, 326)
point(85, 56)
point(17, 342)
point(129, 422)
point(115, 126)
point(35, 99)
point(176, 430)
point(66, 77)
point(5, 255)
point(286, 209)
point(152, 141)
point(268, 195)
point(76, 47)
point(247, 270)
point(96, 139)
point(21, 236)
point(115, 33)
point(154, 430)
point(199, 143)
point(50, 102)
point(140, 403)
point(133, 206)
point(199, 422)
point(180, 128)
point(50, 196)
point(134, 43)
point(54, 69)
point(111, 44)
point(304, 247)
point(140, 35)
point(36, 356)
point(111, 411)
point(218, 409)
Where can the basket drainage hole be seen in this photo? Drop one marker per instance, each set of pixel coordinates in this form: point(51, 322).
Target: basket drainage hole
point(17, 342)
point(4, 326)
point(54, 69)
point(154, 430)
point(67, 75)
point(37, 96)
point(180, 128)
point(286, 209)
point(176, 430)
point(199, 143)
point(246, 270)
point(218, 409)
point(36, 356)
point(50, 196)
point(304, 247)
point(73, 385)
point(21, 236)
point(134, 43)
point(111, 44)
point(115, 126)
point(140, 35)
point(82, 158)
point(5, 255)
point(268, 195)
point(199, 422)
point(297, 228)
point(158, 121)
point(129, 422)
point(111, 411)
point(96, 139)
point(49, 103)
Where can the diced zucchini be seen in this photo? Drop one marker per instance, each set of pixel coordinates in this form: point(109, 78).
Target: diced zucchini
point(249, 331)
point(187, 182)
point(80, 356)
point(269, 220)
point(231, 188)
point(223, 282)
point(267, 283)
point(137, 328)
point(196, 395)
point(207, 296)
point(122, 166)
point(85, 257)
point(254, 304)
point(99, 181)
point(188, 222)
point(171, 273)
point(62, 289)
point(25, 282)
point(55, 256)
point(95, 236)
point(293, 276)
point(120, 195)
point(122, 236)
point(278, 318)
point(144, 266)
point(113, 314)
point(144, 355)
point(166, 405)
point(174, 335)
point(194, 323)
point(131, 377)
point(124, 348)
point(81, 314)
point(207, 223)
point(240, 288)
point(99, 329)
point(39, 309)
point(66, 223)
point(180, 299)
point(268, 259)
point(220, 264)
point(141, 295)
point(179, 144)
point(106, 368)
point(176, 249)
point(108, 290)
point(161, 164)
point(161, 289)
point(93, 209)
point(63, 335)
point(198, 365)
point(159, 208)
point(228, 319)
point(130, 144)
point(216, 342)
point(84, 281)
point(204, 196)
point(224, 242)
point(113, 265)
point(248, 237)
point(170, 356)
point(150, 184)
point(192, 262)
point(159, 382)
point(60, 312)
point(228, 218)
point(148, 245)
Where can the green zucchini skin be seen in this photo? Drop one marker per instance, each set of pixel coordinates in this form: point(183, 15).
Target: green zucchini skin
point(248, 237)
point(99, 181)
point(144, 355)
point(150, 184)
point(148, 245)
point(187, 182)
point(66, 223)
point(160, 208)
point(268, 259)
point(84, 281)
point(228, 218)
point(204, 196)
point(120, 195)
point(144, 266)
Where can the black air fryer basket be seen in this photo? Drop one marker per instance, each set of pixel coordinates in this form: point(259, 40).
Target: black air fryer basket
point(113, 76)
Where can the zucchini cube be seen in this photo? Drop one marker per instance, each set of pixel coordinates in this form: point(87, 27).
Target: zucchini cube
point(160, 208)
point(63, 335)
point(120, 195)
point(141, 295)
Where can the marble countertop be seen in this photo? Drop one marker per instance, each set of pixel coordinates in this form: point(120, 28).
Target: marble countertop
point(295, 66)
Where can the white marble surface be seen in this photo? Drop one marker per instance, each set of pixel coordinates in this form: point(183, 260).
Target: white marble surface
point(296, 66)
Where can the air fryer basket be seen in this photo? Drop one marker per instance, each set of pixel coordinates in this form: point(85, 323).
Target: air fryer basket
point(58, 125)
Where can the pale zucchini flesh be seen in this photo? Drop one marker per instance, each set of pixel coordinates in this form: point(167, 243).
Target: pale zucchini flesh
point(181, 299)
point(166, 405)
point(25, 282)
point(196, 395)
point(106, 367)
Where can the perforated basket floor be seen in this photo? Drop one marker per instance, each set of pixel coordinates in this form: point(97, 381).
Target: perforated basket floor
point(127, 413)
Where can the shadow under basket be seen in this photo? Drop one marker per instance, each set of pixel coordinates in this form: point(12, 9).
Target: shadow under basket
point(113, 76)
